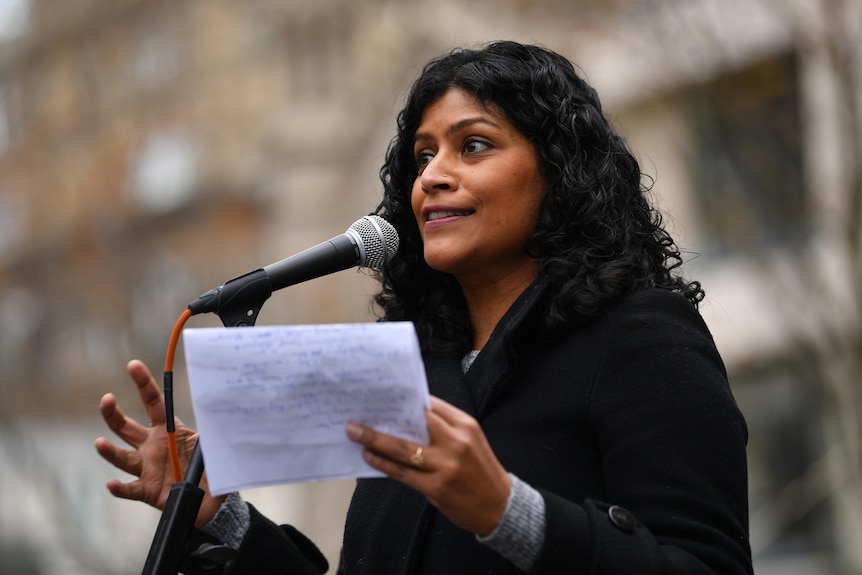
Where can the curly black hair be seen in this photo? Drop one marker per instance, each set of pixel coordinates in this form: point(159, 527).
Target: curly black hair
point(597, 238)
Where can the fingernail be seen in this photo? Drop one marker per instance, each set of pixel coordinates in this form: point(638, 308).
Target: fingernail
point(354, 431)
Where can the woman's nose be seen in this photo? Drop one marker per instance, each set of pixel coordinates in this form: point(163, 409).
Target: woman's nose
point(436, 176)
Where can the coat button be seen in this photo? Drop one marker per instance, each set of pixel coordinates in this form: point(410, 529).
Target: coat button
point(622, 518)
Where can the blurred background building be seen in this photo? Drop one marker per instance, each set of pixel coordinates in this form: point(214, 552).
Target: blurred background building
point(152, 149)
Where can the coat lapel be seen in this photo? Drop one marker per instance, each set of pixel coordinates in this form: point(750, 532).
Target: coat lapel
point(447, 381)
point(494, 365)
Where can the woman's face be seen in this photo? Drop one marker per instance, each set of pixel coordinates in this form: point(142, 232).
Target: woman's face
point(477, 194)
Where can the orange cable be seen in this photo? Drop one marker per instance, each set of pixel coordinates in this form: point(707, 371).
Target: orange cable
point(169, 400)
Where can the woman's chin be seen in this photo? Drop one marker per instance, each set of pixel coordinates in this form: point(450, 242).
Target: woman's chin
point(442, 260)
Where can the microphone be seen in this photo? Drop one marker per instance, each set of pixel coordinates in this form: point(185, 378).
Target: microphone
point(370, 242)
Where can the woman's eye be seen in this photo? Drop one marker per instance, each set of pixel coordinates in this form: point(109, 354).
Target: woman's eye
point(423, 158)
point(473, 146)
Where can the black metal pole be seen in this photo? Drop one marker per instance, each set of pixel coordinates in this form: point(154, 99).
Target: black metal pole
point(177, 521)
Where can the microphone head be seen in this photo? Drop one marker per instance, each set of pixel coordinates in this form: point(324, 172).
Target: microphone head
point(376, 238)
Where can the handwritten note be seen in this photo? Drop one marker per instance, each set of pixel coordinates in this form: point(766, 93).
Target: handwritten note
point(272, 403)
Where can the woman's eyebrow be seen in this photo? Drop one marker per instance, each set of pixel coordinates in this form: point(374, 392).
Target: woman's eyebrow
point(458, 126)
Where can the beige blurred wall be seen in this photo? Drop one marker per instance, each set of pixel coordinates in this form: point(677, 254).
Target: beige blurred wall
point(150, 150)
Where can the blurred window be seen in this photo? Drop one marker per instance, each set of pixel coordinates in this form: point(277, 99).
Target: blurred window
point(14, 16)
point(746, 164)
point(164, 175)
point(158, 51)
point(794, 471)
point(4, 122)
point(12, 228)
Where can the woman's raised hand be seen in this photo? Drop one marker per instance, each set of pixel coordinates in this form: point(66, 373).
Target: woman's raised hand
point(149, 458)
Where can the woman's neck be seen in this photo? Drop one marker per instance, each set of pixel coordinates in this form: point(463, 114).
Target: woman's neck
point(488, 302)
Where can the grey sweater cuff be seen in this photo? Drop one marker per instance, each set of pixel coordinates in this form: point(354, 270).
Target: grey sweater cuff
point(521, 531)
point(231, 522)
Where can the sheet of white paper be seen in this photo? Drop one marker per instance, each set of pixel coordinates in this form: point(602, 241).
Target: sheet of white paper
point(272, 403)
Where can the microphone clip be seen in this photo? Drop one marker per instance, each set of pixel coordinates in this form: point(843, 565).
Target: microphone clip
point(239, 301)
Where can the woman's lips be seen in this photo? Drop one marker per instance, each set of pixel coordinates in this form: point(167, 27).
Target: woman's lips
point(440, 215)
point(444, 215)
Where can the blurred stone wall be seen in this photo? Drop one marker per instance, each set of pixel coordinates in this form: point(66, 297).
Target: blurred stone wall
point(151, 150)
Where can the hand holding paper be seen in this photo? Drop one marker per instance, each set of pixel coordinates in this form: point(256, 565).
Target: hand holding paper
point(272, 403)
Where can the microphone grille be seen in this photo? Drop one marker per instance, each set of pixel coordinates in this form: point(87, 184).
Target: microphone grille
point(378, 240)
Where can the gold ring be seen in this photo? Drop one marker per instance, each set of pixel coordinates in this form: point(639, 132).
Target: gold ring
point(417, 460)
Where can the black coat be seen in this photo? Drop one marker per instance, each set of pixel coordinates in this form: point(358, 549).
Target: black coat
point(627, 427)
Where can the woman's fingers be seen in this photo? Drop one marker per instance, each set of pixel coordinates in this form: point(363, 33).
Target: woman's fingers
point(400, 459)
point(133, 490)
point(395, 455)
point(125, 427)
point(448, 411)
point(123, 459)
point(151, 395)
point(386, 451)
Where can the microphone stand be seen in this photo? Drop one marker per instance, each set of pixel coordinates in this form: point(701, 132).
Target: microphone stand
point(173, 533)
point(178, 519)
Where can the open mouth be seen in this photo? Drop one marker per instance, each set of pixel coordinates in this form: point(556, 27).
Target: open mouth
point(439, 215)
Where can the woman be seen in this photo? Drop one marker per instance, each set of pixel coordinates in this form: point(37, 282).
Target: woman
point(582, 419)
